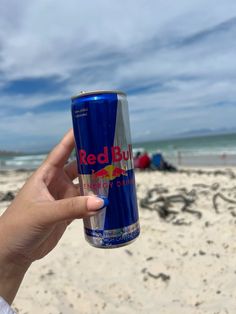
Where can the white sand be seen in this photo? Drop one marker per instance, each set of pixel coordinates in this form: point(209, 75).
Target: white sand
point(200, 259)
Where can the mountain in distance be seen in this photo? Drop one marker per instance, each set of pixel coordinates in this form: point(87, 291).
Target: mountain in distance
point(206, 132)
point(6, 153)
point(187, 134)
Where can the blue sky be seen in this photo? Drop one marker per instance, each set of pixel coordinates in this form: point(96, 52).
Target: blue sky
point(175, 60)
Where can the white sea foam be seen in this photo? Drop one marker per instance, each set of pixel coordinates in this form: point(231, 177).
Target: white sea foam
point(25, 162)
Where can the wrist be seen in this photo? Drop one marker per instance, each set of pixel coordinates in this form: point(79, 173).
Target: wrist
point(11, 276)
point(12, 269)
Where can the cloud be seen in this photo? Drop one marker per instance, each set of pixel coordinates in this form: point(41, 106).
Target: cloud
point(33, 131)
point(175, 60)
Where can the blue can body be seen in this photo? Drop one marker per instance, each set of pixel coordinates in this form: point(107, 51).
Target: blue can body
point(105, 166)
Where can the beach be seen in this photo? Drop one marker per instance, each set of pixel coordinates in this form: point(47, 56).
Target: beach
point(183, 262)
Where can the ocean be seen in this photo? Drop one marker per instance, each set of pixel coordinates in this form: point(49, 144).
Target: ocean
point(200, 151)
point(210, 150)
point(204, 145)
point(27, 161)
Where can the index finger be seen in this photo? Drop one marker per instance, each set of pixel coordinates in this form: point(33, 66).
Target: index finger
point(60, 154)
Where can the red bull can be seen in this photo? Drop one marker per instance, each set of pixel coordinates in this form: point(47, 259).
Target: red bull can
point(105, 166)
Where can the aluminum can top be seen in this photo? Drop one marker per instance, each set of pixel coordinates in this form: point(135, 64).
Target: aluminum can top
point(97, 92)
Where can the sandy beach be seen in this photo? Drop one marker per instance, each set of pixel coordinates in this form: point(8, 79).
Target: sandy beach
point(183, 262)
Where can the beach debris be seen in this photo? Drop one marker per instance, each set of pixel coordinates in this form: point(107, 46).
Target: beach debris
point(215, 186)
point(163, 204)
point(8, 196)
point(197, 304)
point(171, 205)
point(128, 252)
point(230, 173)
point(149, 258)
point(50, 272)
point(161, 276)
point(218, 196)
point(210, 242)
point(233, 213)
point(160, 189)
point(201, 252)
point(208, 224)
point(181, 222)
point(202, 185)
point(227, 172)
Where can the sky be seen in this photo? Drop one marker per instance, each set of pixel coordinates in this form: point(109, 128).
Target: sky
point(174, 59)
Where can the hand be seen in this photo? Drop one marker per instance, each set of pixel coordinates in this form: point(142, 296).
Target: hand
point(35, 221)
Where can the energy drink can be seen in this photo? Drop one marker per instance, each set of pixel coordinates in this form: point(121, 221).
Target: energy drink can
point(105, 165)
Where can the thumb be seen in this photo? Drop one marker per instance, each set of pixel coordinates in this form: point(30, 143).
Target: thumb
point(71, 208)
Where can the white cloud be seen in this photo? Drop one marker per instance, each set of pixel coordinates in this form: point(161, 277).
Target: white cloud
point(34, 132)
point(175, 57)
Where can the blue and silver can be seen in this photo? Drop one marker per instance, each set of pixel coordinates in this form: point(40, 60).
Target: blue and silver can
point(105, 166)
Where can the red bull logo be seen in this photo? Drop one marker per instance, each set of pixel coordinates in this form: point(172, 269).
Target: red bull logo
point(117, 155)
point(110, 172)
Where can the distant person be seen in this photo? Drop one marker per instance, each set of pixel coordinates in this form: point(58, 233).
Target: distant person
point(158, 163)
point(179, 156)
point(136, 158)
point(143, 161)
point(224, 158)
point(36, 220)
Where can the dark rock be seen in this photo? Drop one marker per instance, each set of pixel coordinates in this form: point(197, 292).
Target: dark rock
point(149, 258)
point(202, 252)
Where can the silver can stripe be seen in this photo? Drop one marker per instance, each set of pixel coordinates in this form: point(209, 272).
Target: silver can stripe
point(115, 232)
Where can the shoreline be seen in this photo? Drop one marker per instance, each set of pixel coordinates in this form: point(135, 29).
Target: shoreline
point(179, 160)
point(216, 160)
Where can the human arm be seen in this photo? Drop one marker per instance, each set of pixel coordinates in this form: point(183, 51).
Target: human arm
point(35, 221)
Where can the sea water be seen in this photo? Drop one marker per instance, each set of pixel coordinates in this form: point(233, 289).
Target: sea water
point(26, 161)
point(214, 150)
point(202, 151)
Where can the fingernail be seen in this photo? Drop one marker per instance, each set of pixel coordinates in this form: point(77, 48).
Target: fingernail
point(96, 203)
point(105, 200)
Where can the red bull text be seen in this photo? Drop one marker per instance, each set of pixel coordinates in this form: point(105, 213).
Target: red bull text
point(105, 166)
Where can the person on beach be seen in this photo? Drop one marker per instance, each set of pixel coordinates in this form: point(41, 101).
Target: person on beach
point(39, 215)
point(142, 161)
